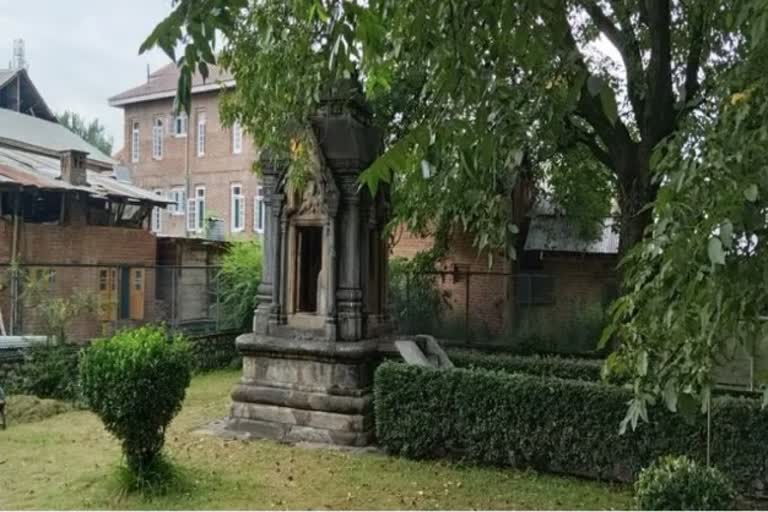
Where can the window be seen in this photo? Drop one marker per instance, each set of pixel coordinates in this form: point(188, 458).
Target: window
point(259, 210)
point(202, 123)
point(157, 138)
point(196, 210)
point(237, 138)
point(180, 125)
point(179, 197)
point(534, 289)
point(157, 212)
point(135, 142)
point(237, 208)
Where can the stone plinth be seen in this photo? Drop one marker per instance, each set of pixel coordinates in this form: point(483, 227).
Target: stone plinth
point(305, 390)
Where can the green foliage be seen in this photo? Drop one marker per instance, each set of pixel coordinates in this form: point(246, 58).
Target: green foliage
point(543, 366)
point(50, 370)
point(135, 382)
point(415, 301)
point(578, 333)
point(475, 97)
point(214, 352)
point(679, 483)
point(693, 298)
point(550, 424)
point(94, 132)
point(239, 280)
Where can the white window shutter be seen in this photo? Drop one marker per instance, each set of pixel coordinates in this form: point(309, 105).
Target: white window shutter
point(191, 215)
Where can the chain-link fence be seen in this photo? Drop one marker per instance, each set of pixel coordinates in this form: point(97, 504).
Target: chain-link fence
point(81, 302)
point(529, 312)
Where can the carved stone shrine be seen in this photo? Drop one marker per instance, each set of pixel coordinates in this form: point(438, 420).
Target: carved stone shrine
point(308, 365)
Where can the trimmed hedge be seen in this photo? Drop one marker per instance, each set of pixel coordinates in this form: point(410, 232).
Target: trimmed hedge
point(556, 425)
point(543, 366)
point(214, 351)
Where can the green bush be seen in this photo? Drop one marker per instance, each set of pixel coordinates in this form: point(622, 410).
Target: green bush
point(136, 382)
point(544, 366)
point(578, 333)
point(679, 483)
point(50, 370)
point(239, 280)
point(557, 425)
point(414, 299)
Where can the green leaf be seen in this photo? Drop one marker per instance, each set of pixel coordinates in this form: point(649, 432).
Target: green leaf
point(608, 102)
point(750, 193)
point(594, 85)
point(642, 364)
point(670, 395)
point(715, 251)
point(726, 234)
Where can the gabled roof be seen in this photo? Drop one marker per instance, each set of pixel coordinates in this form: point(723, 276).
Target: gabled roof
point(32, 102)
point(44, 136)
point(163, 83)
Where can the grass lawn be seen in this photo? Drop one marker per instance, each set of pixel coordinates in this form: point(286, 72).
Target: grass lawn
point(68, 461)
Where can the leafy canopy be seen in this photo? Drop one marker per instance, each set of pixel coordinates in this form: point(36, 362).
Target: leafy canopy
point(94, 132)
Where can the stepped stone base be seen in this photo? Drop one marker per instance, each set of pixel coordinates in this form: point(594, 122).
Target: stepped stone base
point(305, 390)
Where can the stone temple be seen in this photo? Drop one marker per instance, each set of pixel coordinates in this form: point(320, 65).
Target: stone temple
point(321, 315)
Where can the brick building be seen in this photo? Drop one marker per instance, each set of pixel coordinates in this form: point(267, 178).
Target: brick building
point(66, 218)
point(555, 277)
point(204, 167)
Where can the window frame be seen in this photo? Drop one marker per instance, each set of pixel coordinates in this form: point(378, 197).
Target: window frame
point(199, 208)
point(237, 138)
point(259, 208)
point(156, 220)
point(179, 195)
point(201, 134)
point(158, 134)
point(236, 202)
point(135, 141)
point(184, 119)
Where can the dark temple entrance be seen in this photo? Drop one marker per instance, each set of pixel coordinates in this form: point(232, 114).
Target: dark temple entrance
point(308, 264)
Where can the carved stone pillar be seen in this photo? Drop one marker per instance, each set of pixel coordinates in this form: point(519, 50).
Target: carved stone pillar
point(272, 205)
point(350, 293)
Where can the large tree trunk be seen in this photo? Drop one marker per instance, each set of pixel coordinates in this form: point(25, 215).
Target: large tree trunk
point(636, 192)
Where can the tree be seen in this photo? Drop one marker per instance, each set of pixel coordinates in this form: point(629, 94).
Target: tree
point(481, 95)
point(94, 132)
point(505, 86)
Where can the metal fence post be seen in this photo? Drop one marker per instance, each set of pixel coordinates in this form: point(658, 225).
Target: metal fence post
point(466, 308)
point(174, 307)
point(218, 302)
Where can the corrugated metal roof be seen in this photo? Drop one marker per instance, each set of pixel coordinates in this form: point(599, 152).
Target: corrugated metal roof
point(26, 169)
point(40, 133)
point(557, 233)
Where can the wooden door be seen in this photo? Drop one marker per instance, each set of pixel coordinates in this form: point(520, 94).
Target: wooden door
point(137, 293)
point(107, 311)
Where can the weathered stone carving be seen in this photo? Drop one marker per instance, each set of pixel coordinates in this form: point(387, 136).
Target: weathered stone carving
point(308, 365)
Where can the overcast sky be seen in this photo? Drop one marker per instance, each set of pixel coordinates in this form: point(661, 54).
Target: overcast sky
point(81, 52)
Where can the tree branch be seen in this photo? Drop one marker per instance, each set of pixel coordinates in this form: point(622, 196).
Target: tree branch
point(693, 61)
point(590, 141)
point(633, 62)
point(659, 118)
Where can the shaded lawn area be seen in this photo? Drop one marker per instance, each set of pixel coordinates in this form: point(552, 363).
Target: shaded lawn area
point(68, 461)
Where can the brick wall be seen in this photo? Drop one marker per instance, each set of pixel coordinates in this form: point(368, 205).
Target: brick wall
point(487, 296)
point(579, 281)
point(217, 170)
point(79, 244)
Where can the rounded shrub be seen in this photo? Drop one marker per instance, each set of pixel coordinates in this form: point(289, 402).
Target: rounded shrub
point(679, 483)
point(136, 382)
